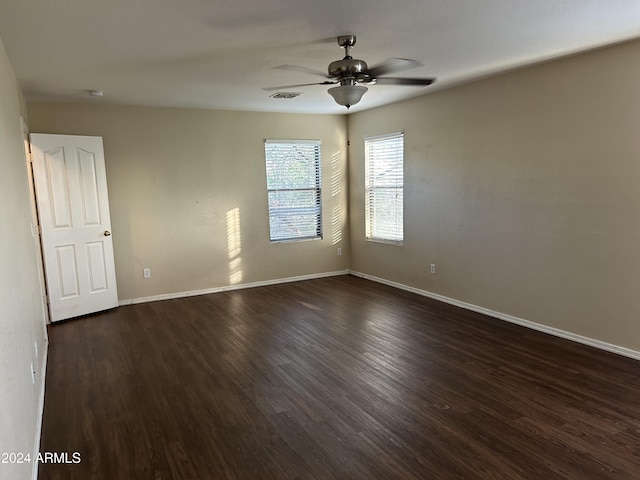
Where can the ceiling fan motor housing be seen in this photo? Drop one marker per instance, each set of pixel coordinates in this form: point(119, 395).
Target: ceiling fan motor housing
point(347, 67)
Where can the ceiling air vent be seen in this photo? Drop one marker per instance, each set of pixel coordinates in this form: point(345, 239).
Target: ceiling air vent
point(285, 95)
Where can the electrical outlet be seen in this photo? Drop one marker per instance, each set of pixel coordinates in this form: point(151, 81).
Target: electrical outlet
point(339, 251)
point(432, 269)
point(146, 273)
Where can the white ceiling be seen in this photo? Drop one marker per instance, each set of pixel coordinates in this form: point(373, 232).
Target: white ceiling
point(220, 53)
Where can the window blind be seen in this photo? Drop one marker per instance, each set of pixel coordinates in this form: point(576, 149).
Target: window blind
point(384, 187)
point(294, 189)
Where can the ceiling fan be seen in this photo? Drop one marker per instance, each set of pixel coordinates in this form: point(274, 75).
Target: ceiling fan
point(353, 75)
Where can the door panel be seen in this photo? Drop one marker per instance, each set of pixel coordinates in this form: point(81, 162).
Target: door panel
point(68, 271)
point(73, 204)
point(97, 267)
point(90, 197)
point(58, 188)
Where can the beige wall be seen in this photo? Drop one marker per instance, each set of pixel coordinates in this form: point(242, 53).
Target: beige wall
point(21, 307)
point(188, 199)
point(524, 190)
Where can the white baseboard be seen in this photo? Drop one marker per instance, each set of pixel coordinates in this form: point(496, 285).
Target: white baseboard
point(40, 413)
point(627, 352)
point(226, 288)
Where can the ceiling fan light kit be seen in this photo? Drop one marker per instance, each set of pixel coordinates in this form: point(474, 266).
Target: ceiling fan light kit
point(347, 95)
point(352, 74)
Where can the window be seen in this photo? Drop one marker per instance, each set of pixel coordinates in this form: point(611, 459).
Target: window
point(384, 158)
point(293, 187)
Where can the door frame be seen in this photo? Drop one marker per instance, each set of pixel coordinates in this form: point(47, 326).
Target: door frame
point(35, 222)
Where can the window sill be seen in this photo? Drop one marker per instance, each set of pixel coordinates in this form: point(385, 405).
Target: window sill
point(398, 243)
point(294, 240)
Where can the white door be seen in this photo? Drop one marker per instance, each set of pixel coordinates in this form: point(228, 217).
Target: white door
point(71, 192)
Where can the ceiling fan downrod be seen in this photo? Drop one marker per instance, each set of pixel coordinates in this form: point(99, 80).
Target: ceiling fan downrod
point(347, 42)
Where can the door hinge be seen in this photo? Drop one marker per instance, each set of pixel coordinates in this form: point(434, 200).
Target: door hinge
point(29, 157)
point(46, 299)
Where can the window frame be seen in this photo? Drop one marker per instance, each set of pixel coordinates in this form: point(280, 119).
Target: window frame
point(369, 190)
point(317, 190)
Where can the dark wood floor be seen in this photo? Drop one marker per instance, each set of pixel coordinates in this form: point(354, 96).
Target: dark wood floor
point(337, 378)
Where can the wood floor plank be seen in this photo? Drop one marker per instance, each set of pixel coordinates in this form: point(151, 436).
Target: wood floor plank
point(332, 378)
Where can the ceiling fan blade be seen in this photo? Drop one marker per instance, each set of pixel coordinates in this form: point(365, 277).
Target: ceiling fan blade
point(393, 65)
point(415, 82)
point(299, 69)
point(271, 89)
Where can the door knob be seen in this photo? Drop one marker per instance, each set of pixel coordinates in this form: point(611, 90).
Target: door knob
point(107, 233)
